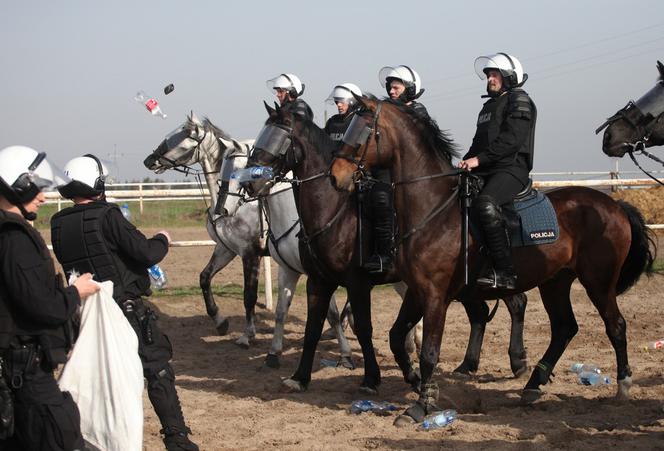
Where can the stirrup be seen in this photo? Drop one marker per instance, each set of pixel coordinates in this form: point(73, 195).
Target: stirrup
point(377, 264)
point(497, 280)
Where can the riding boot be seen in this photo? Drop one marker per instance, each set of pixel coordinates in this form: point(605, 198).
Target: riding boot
point(502, 274)
point(164, 399)
point(383, 226)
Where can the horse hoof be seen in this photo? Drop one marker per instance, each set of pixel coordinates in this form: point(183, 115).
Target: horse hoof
point(222, 327)
point(624, 385)
point(366, 390)
point(464, 369)
point(243, 342)
point(403, 420)
point(347, 362)
point(530, 395)
point(272, 361)
point(520, 371)
point(292, 386)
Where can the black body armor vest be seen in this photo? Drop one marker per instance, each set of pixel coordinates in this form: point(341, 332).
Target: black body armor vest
point(336, 125)
point(80, 245)
point(12, 322)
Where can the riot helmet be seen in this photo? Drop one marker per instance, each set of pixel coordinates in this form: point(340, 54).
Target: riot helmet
point(410, 79)
point(509, 67)
point(24, 173)
point(289, 82)
point(344, 93)
point(88, 177)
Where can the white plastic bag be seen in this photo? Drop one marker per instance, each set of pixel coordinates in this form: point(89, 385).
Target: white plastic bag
point(105, 377)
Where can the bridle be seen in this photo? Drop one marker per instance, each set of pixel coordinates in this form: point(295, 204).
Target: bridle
point(357, 135)
point(174, 164)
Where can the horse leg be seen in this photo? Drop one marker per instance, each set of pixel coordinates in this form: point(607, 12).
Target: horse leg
point(359, 293)
point(477, 312)
point(346, 359)
point(318, 299)
point(516, 305)
point(415, 333)
point(287, 283)
point(219, 259)
point(410, 314)
point(250, 266)
point(555, 295)
point(616, 329)
point(434, 325)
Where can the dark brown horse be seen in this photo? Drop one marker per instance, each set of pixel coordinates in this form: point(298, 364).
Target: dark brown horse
point(603, 243)
point(330, 249)
point(638, 125)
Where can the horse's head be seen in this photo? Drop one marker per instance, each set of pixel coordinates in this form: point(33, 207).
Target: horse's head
point(639, 124)
point(180, 148)
point(363, 143)
point(277, 146)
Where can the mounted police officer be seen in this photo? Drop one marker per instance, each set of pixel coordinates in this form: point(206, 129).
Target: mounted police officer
point(342, 97)
point(404, 85)
point(288, 88)
point(35, 312)
point(94, 236)
point(502, 155)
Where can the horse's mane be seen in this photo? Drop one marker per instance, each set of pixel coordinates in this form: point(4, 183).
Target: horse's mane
point(209, 127)
point(438, 141)
point(320, 140)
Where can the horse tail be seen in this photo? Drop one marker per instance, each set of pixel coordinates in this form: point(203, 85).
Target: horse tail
point(642, 250)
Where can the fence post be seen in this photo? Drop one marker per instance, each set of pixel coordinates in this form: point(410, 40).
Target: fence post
point(140, 197)
point(59, 204)
point(614, 175)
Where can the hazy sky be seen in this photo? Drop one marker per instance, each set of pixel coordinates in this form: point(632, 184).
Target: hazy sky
point(70, 69)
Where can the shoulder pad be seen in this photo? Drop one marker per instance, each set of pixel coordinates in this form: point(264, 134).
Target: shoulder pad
point(519, 104)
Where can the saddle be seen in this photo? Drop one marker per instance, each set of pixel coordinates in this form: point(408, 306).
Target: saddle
point(530, 219)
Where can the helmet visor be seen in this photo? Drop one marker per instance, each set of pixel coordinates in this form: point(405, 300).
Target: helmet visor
point(42, 174)
point(340, 94)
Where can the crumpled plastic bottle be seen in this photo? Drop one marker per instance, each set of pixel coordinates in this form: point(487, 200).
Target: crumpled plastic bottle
point(438, 420)
point(150, 104)
point(368, 405)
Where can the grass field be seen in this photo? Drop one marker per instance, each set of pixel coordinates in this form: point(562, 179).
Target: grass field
point(171, 213)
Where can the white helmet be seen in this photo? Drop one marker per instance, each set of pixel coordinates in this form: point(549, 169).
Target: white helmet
point(24, 172)
point(406, 75)
point(88, 176)
point(510, 68)
point(344, 93)
point(289, 82)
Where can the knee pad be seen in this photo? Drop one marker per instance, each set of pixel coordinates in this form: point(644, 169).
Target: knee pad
point(488, 211)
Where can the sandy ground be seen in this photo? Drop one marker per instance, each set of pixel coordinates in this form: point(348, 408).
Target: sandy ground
point(232, 403)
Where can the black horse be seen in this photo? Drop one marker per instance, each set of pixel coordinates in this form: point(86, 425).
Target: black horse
point(638, 125)
point(330, 250)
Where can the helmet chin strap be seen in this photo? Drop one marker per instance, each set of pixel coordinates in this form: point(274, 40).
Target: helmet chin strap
point(30, 216)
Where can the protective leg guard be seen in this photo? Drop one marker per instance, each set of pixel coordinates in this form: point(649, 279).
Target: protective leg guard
point(502, 274)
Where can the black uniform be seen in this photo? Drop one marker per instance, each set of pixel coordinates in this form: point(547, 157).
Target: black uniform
point(337, 125)
point(35, 336)
point(300, 107)
point(420, 109)
point(96, 237)
point(503, 144)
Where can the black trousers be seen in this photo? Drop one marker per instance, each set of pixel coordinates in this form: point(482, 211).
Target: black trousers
point(502, 187)
point(155, 351)
point(45, 418)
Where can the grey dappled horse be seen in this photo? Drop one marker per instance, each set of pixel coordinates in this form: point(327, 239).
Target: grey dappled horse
point(236, 226)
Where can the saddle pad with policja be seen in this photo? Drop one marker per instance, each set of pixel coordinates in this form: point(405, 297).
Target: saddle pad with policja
point(533, 221)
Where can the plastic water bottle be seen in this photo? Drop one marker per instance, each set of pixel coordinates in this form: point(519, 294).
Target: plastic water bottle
point(592, 378)
point(124, 208)
point(579, 368)
point(438, 420)
point(368, 405)
point(150, 103)
point(657, 344)
point(157, 277)
point(253, 173)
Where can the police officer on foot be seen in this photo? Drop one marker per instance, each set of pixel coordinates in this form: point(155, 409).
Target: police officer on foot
point(502, 155)
point(35, 310)
point(94, 236)
point(342, 97)
point(288, 88)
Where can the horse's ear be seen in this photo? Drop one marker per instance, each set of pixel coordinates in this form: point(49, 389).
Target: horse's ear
point(360, 100)
point(194, 118)
point(270, 111)
point(660, 68)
